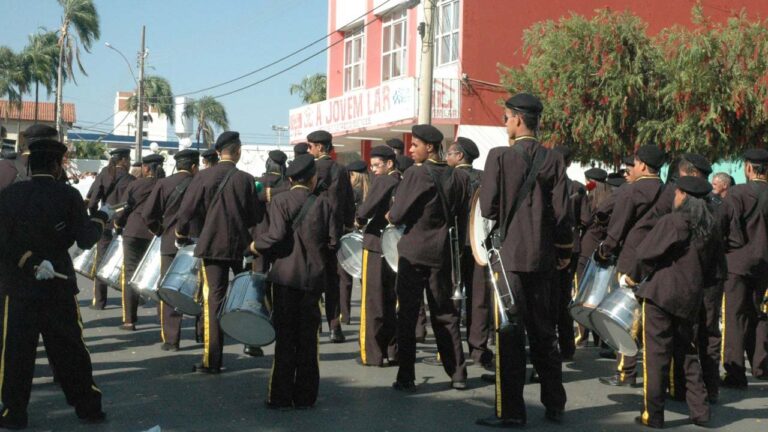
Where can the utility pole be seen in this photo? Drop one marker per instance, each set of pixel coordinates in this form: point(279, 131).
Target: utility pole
point(427, 60)
point(140, 100)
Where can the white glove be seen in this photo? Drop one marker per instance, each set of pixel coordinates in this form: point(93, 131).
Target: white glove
point(107, 210)
point(44, 271)
point(247, 261)
point(624, 282)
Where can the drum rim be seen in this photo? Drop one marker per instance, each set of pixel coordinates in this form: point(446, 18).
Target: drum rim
point(387, 257)
point(238, 311)
point(602, 326)
point(480, 260)
point(164, 298)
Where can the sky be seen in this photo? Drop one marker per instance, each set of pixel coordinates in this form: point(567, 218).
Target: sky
point(194, 44)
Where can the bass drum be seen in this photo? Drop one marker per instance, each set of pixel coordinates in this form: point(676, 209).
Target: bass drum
point(350, 254)
point(85, 263)
point(147, 274)
point(244, 316)
point(111, 266)
point(390, 237)
point(479, 230)
point(178, 287)
point(614, 320)
point(597, 282)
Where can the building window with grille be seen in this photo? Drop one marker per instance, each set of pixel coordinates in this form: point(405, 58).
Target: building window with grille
point(447, 32)
point(354, 59)
point(393, 46)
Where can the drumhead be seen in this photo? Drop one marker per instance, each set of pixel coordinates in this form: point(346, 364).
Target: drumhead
point(614, 334)
point(180, 301)
point(390, 237)
point(581, 313)
point(479, 227)
point(350, 254)
point(248, 327)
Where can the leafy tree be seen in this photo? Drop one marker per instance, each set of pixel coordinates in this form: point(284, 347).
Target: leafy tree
point(209, 114)
point(13, 78)
point(157, 95)
point(40, 59)
point(311, 89)
point(89, 149)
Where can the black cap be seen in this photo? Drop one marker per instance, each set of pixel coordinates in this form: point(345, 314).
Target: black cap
point(302, 167)
point(651, 156)
point(700, 162)
point(396, 143)
point(468, 147)
point(278, 156)
point(210, 154)
point(525, 103)
point(121, 152)
point(596, 174)
point(47, 145)
point(755, 155)
point(615, 179)
point(693, 185)
point(300, 149)
point(628, 160)
point(427, 133)
point(403, 162)
point(383, 152)
point(227, 138)
point(357, 166)
point(190, 154)
point(40, 131)
point(153, 158)
point(320, 136)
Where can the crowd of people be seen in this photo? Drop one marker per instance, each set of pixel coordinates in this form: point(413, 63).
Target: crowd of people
point(694, 254)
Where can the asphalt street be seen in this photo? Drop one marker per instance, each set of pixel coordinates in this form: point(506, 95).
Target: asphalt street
point(145, 387)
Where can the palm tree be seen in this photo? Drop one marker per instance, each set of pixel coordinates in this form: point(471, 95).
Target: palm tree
point(157, 95)
point(40, 58)
point(312, 88)
point(79, 26)
point(13, 78)
point(209, 113)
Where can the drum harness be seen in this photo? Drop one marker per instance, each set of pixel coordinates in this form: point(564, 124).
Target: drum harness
point(453, 236)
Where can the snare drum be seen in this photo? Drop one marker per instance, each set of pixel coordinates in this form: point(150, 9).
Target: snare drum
point(147, 274)
point(597, 282)
point(111, 266)
point(614, 319)
point(350, 254)
point(85, 263)
point(479, 229)
point(244, 316)
point(390, 237)
point(178, 287)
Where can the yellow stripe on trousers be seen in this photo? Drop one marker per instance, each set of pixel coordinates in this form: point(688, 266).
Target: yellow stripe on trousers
point(206, 321)
point(93, 273)
point(162, 323)
point(2, 355)
point(498, 350)
point(122, 289)
point(82, 337)
point(722, 339)
point(645, 415)
point(363, 314)
point(672, 376)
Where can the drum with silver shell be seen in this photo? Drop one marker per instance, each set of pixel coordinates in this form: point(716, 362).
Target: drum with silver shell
point(479, 229)
point(179, 286)
point(244, 317)
point(85, 263)
point(597, 282)
point(111, 266)
point(350, 254)
point(390, 237)
point(615, 320)
point(147, 274)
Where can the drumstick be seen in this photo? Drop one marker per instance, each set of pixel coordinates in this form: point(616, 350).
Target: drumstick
point(58, 275)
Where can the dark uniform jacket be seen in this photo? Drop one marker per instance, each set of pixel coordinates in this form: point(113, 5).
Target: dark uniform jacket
point(225, 224)
point(418, 207)
point(107, 188)
point(747, 249)
point(374, 209)
point(540, 231)
point(12, 170)
point(475, 177)
point(676, 265)
point(333, 180)
point(630, 221)
point(298, 255)
point(273, 185)
point(42, 218)
point(160, 214)
point(597, 226)
point(131, 220)
point(576, 198)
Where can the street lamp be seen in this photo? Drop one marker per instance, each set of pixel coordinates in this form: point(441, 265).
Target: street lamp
point(279, 130)
point(130, 69)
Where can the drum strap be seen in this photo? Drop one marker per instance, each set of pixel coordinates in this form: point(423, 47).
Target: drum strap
point(441, 196)
point(114, 185)
point(177, 192)
point(527, 186)
point(221, 187)
point(304, 210)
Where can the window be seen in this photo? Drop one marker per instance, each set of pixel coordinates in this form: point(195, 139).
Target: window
point(354, 59)
point(393, 47)
point(447, 32)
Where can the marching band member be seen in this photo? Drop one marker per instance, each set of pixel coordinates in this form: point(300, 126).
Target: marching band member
point(136, 236)
point(159, 214)
point(524, 191)
point(430, 194)
point(360, 182)
point(222, 200)
point(378, 319)
point(210, 158)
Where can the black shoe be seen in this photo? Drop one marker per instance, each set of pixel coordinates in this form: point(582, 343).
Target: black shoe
point(616, 381)
point(489, 378)
point(500, 423)
point(459, 385)
point(534, 378)
point(95, 307)
point(732, 383)
point(169, 347)
point(391, 363)
point(432, 361)
point(93, 418)
point(701, 423)
point(337, 336)
point(554, 415)
point(567, 357)
point(253, 351)
point(608, 353)
point(13, 423)
point(206, 370)
point(128, 327)
point(405, 386)
point(639, 420)
point(277, 407)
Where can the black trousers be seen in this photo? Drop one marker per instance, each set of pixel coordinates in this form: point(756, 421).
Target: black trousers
point(134, 249)
point(412, 281)
point(565, 336)
point(378, 314)
point(331, 292)
point(536, 302)
point(57, 319)
point(743, 330)
point(215, 284)
point(100, 288)
point(345, 295)
point(170, 318)
point(295, 374)
point(478, 307)
point(662, 332)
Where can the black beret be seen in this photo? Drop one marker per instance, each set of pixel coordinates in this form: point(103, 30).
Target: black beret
point(651, 156)
point(700, 162)
point(320, 136)
point(300, 149)
point(278, 156)
point(396, 143)
point(40, 131)
point(427, 133)
point(153, 158)
point(565, 151)
point(357, 166)
point(693, 185)
point(120, 152)
point(48, 146)
point(403, 162)
point(468, 147)
point(210, 154)
point(525, 103)
point(187, 154)
point(615, 179)
point(383, 152)
point(755, 155)
point(596, 174)
point(302, 167)
point(628, 160)
point(227, 138)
